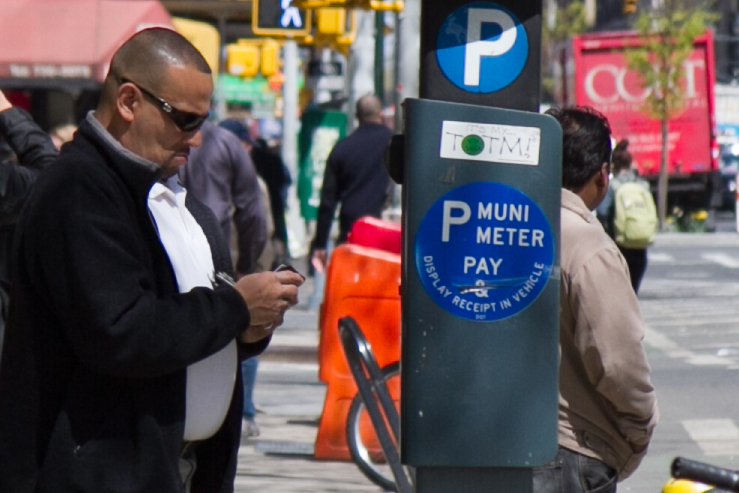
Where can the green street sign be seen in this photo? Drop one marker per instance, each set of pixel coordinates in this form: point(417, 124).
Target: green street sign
point(256, 92)
point(319, 133)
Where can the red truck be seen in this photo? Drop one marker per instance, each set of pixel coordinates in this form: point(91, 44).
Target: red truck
point(592, 71)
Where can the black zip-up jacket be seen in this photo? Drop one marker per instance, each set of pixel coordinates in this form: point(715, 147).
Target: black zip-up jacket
point(355, 176)
point(93, 375)
point(35, 152)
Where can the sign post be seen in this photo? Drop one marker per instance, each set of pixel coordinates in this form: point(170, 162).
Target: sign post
point(480, 275)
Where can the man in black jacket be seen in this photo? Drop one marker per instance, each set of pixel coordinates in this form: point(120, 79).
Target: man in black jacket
point(35, 151)
point(355, 176)
point(94, 380)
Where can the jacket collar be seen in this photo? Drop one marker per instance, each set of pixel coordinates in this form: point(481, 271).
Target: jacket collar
point(572, 202)
point(136, 172)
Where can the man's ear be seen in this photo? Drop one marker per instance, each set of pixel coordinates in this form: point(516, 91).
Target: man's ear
point(602, 178)
point(125, 102)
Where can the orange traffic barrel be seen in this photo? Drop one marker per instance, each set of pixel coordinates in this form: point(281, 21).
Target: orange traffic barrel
point(376, 233)
point(363, 283)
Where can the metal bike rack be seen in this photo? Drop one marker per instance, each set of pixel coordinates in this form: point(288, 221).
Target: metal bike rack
point(370, 382)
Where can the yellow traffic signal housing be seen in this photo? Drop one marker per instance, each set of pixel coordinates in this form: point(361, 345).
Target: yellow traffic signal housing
point(204, 37)
point(270, 57)
point(242, 60)
point(379, 5)
point(331, 21)
point(630, 6)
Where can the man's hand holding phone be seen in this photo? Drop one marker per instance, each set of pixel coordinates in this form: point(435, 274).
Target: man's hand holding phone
point(268, 295)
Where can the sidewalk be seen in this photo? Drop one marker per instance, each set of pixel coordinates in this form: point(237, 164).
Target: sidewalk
point(289, 399)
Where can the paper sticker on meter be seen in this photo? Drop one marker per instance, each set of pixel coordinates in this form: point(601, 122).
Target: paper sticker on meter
point(484, 251)
point(482, 47)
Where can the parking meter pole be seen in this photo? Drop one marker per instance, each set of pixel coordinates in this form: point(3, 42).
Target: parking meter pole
point(480, 273)
point(736, 188)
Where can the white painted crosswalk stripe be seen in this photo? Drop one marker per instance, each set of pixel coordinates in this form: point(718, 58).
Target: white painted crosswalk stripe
point(660, 258)
point(722, 259)
point(660, 341)
point(714, 436)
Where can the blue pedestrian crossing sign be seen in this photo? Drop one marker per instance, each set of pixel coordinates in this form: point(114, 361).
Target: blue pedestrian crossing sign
point(482, 47)
point(484, 251)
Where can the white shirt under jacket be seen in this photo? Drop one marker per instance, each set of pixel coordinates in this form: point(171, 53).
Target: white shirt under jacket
point(210, 382)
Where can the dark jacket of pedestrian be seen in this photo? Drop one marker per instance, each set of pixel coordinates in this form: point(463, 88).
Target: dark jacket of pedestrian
point(90, 369)
point(355, 176)
point(277, 177)
point(221, 174)
point(35, 152)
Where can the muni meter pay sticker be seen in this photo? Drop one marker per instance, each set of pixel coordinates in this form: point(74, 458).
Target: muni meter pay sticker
point(484, 251)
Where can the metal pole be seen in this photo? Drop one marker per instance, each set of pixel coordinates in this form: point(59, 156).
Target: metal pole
point(295, 226)
point(398, 123)
point(220, 102)
point(380, 55)
point(409, 56)
point(361, 63)
point(736, 190)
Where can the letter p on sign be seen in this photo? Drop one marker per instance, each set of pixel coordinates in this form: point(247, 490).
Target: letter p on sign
point(476, 47)
point(448, 220)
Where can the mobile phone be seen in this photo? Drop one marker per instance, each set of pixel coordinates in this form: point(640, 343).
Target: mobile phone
point(290, 268)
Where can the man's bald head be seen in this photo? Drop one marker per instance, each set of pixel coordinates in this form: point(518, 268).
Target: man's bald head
point(369, 109)
point(147, 57)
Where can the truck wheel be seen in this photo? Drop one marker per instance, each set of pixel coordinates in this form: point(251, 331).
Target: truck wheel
point(710, 223)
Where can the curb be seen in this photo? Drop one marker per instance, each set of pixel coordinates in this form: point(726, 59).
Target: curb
point(290, 354)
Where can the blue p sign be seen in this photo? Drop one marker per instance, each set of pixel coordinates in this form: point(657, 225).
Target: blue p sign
point(482, 47)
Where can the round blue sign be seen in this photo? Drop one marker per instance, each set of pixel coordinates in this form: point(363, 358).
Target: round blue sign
point(484, 251)
point(482, 47)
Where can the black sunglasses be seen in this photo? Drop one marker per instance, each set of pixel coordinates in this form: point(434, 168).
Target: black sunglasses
point(185, 121)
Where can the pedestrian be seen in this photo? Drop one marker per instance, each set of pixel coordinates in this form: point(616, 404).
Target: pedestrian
point(275, 174)
point(633, 205)
point(272, 170)
point(607, 404)
point(35, 152)
point(119, 370)
point(355, 176)
point(220, 174)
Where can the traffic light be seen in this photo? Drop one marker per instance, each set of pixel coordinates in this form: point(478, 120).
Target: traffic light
point(331, 21)
point(242, 60)
point(629, 6)
point(270, 57)
point(279, 18)
point(378, 5)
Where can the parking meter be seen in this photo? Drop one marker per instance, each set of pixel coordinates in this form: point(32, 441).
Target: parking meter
point(480, 271)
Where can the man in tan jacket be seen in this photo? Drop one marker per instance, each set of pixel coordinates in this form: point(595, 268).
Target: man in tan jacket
point(607, 404)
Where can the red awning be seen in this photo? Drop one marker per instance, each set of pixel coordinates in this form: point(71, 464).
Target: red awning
point(56, 42)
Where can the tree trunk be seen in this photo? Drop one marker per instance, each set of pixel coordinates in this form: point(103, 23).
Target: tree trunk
point(663, 176)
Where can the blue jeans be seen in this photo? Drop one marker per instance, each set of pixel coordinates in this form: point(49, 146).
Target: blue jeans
point(249, 375)
point(570, 472)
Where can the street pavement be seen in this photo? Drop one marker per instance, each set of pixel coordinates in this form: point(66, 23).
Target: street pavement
point(289, 400)
point(688, 299)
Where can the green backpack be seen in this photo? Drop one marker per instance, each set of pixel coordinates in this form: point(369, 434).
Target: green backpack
point(635, 221)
